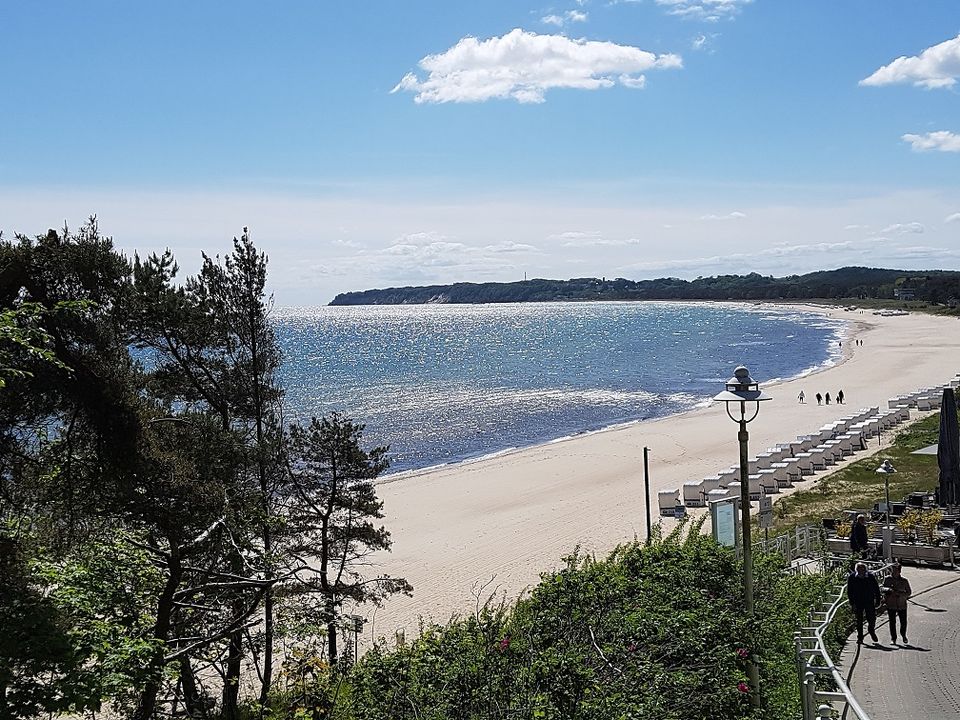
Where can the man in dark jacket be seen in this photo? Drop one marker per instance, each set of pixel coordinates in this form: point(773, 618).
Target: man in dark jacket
point(858, 536)
point(864, 594)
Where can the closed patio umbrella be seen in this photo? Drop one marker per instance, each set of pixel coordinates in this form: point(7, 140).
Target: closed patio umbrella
point(948, 450)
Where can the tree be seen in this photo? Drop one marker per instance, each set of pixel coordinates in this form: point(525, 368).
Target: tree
point(216, 354)
point(235, 293)
point(331, 504)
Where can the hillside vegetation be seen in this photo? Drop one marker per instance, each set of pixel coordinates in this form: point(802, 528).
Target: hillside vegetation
point(937, 286)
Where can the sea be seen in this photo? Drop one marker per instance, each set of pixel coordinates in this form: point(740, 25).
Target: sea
point(444, 384)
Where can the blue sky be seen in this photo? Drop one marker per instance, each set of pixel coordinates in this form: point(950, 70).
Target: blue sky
point(370, 144)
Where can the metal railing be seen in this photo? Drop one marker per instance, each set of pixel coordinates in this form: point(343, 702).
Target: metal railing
point(814, 662)
point(800, 548)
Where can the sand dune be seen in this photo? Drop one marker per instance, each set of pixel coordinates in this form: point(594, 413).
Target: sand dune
point(507, 518)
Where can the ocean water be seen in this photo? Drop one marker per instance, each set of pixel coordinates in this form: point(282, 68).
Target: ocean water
point(447, 383)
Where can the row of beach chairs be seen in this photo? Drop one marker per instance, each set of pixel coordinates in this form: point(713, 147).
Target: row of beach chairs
point(789, 463)
point(924, 399)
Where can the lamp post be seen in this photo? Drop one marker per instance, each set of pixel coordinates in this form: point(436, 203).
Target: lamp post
point(886, 468)
point(741, 390)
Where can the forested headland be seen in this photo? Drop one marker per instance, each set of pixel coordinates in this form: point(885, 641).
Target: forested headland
point(936, 286)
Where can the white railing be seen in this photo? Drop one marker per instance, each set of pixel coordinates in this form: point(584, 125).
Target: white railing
point(813, 659)
point(805, 542)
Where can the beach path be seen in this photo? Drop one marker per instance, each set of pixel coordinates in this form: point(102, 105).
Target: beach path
point(919, 680)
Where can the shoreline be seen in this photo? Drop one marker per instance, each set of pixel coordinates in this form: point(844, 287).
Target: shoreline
point(498, 522)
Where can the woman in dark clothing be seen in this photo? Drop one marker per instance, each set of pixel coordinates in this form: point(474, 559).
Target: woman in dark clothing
point(858, 536)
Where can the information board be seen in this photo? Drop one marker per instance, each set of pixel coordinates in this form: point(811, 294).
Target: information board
point(723, 513)
point(766, 512)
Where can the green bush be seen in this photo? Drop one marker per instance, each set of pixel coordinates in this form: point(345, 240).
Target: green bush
point(650, 631)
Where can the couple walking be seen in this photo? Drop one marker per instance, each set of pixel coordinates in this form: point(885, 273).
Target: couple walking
point(864, 594)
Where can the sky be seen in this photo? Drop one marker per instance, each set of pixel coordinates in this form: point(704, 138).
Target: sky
point(380, 144)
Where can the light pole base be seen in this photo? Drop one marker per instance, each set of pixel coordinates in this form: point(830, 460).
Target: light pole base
point(887, 534)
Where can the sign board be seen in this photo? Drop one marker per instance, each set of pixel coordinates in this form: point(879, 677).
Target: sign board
point(725, 522)
point(766, 511)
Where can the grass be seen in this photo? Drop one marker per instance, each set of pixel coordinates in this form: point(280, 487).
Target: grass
point(858, 485)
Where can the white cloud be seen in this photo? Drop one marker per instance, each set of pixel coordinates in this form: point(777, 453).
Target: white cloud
point(936, 67)
point(698, 42)
point(856, 227)
point(637, 83)
point(735, 215)
point(578, 239)
point(508, 246)
point(347, 243)
point(955, 217)
point(942, 140)
point(705, 10)
point(925, 252)
point(716, 264)
point(903, 228)
point(523, 65)
point(570, 16)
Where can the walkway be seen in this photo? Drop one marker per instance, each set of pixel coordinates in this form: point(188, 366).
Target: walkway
point(922, 679)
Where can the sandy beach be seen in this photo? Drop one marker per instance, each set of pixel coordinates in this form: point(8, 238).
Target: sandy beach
point(501, 521)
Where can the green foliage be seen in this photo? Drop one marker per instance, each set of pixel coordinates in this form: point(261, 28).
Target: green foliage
point(849, 282)
point(651, 631)
point(75, 632)
point(330, 509)
point(103, 591)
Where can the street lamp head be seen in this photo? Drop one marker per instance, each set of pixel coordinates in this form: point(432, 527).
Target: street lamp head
point(742, 388)
point(886, 467)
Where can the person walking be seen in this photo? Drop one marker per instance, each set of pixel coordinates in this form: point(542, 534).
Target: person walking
point(827, 398)
point(819, 398)
point(801, 396)
point(864, 595)
point(859, 542)
point(840, 397)
point(896, 592)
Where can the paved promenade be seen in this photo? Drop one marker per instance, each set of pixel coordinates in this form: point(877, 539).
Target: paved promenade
point(921, 680)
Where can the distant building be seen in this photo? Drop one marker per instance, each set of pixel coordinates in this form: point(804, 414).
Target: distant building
point(902, 293)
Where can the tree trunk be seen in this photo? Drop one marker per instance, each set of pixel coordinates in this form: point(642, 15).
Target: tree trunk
point(191, 697)
point(231, 682)
point(267, 646)
point(332, 632)
point(161, 632)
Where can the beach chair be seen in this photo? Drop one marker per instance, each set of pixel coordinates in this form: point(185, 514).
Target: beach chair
point(729, 475)
point(804, 463)
point(693, 493)
point(765, 460)
point(667, 500)
point(766, 479)
point(711, 482)
point(780, 472)
point(817, 459)
point(718, 494)
point(835, 449)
